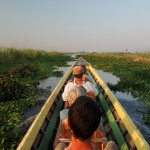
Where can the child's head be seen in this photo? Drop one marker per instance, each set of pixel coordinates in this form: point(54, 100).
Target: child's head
point(84, 117)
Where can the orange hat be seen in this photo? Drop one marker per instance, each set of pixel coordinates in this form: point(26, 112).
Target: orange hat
point(77, 70)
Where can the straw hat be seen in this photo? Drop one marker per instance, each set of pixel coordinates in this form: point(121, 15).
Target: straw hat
point(77, 70)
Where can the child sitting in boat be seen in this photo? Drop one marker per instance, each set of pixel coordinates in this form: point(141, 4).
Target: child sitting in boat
point(78, 74)
point(83, 119)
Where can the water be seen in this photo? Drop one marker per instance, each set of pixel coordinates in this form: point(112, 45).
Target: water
point(49, 82)
point(108, 77)
point(134, 108)
point(136, 111)
point(53, 81)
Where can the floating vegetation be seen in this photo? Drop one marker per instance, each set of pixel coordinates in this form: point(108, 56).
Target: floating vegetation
point(134, 76)
point(133, 70)
point(20, 73)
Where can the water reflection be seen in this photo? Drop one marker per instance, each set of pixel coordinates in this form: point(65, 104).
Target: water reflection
point(127, 96)
point(49, 82)
point(108, 77)
point(53, 81)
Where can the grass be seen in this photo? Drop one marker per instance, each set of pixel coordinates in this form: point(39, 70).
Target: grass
point(20, 73)
point(134, 76)
point(133, 69)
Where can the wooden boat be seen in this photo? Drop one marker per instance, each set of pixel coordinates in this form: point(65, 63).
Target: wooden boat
point(117, 124)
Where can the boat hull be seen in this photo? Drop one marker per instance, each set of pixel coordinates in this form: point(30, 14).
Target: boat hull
point(118, 126)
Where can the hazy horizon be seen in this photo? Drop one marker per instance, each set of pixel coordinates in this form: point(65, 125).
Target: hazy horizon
point(78, 26)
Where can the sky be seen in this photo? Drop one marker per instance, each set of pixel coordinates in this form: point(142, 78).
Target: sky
point(76, 25)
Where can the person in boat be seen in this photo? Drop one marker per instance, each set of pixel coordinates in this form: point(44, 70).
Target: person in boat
point(76, 91)
point(83, 119)
point(78, 74)
point(84, 77)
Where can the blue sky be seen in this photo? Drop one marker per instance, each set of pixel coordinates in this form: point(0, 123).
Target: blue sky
point(76, 25)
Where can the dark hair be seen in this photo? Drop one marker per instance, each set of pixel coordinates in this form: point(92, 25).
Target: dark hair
point(78, 75)
point(84, 117)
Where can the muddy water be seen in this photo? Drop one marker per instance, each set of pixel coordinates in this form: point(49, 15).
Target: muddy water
point(134, 108)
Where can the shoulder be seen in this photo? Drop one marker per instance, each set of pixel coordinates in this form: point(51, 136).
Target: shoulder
point(69, 84)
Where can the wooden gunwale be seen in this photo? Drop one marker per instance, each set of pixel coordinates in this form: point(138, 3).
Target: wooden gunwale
point(43, 122)
point(133, 131)
point(30, 136)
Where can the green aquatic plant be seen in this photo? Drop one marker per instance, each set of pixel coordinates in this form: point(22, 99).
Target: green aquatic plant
point(10, 117)
point(133, 69)
point(134, 76)
point(20, 73)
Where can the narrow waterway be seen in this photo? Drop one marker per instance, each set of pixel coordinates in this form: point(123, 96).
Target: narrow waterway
point(133, 107)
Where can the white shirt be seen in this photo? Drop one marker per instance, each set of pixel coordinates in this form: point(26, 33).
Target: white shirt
point(86, 84)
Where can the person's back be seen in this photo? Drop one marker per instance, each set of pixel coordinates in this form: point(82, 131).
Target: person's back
point(84, 118)
point(76, 91)
point(78, 73)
